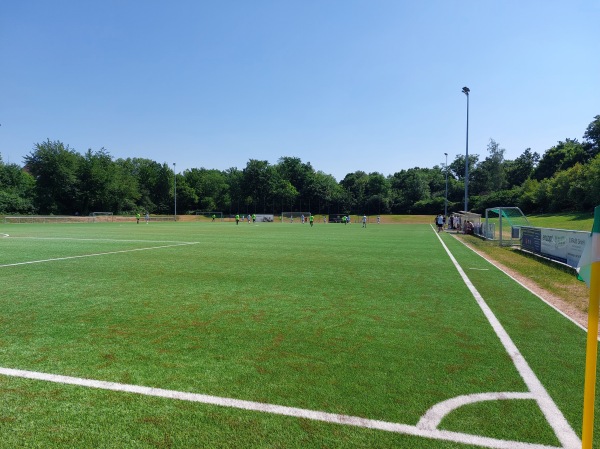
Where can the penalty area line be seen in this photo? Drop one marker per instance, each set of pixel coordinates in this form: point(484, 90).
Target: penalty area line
point(98, 240)
point(95, 254)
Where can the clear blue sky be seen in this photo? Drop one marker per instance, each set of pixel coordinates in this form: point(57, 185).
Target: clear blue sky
point(372, 85)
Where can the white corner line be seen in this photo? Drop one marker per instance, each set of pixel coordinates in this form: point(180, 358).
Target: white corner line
point(563, 430)
point(314, 415)
point(432, 419)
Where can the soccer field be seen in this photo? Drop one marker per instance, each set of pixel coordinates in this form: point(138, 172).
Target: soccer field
point(270, 335)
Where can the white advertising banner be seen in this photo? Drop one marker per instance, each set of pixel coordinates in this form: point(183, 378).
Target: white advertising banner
point(559, 244)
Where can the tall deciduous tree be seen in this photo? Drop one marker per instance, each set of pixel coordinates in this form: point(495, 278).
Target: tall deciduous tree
point(210, 187)
point(521, 169)
point(489, 175)
point(258, 181)
point(562, 156)
point(592, 137)
point(299, 175)
point(54, 167)
point(16, 189)
point(96, 183)
point(457, 166)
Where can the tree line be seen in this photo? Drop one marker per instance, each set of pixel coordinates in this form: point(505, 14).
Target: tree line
point(56, 179)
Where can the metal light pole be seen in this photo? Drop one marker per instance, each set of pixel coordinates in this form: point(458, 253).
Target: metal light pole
point(466, 91)
point(175, 189)
point(446, 199)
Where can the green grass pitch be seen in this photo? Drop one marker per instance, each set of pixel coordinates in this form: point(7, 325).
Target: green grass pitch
point(373, 323)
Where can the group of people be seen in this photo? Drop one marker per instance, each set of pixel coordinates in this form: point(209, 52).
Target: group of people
point(250, 218)
point(311, 219)
point(468, 227)
point(346, 219)
point(146, 217)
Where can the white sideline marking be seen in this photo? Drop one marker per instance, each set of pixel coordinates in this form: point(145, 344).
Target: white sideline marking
point(554, 416)
point(279, 410)
point(527, 288)
point(94, 255)
point(3, 235)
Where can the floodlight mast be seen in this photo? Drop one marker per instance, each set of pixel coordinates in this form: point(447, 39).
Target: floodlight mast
point(466, 91)
point(175, 190)
point(446, 197)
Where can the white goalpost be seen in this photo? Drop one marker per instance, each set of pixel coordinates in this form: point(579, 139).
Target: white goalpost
point(102, 216)
point(294, 217)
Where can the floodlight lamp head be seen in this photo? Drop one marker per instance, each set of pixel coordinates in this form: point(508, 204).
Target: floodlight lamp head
point(466, 91)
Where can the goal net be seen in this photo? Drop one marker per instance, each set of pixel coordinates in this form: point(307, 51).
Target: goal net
point(215, 216)
point(504, 224)
point(102, 216)
point(294, 217)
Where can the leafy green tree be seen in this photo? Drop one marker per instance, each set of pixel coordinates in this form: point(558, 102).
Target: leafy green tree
point(54, 167)
point(408, 187)
point(592, 137)
point(521, 169)
point(355, 185)
point(377, 194)
point(325, 192)
point(125, 187)
point(187, 198)
point(235, 183)
point(489, 175)
point(562, 156)
point(527, 201)
point(210, 187)
point(97, 186)
point(457, 166)
point(591, 184)
point(144, 173)
point(258, 183)
point(16, 190)
point(566, 189)
point(299, 174)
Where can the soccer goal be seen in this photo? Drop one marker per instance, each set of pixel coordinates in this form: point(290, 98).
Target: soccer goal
point(294, 217)
point(216, 216)
point(504, 224)
point(98, 217)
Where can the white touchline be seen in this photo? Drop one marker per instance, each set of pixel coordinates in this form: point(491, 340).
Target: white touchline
point(279, 410)
point(94, 255)
point(529, 290)
point(554, 416)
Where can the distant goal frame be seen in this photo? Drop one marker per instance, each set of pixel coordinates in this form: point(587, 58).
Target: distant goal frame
point(295, 216)
point(102, 217)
